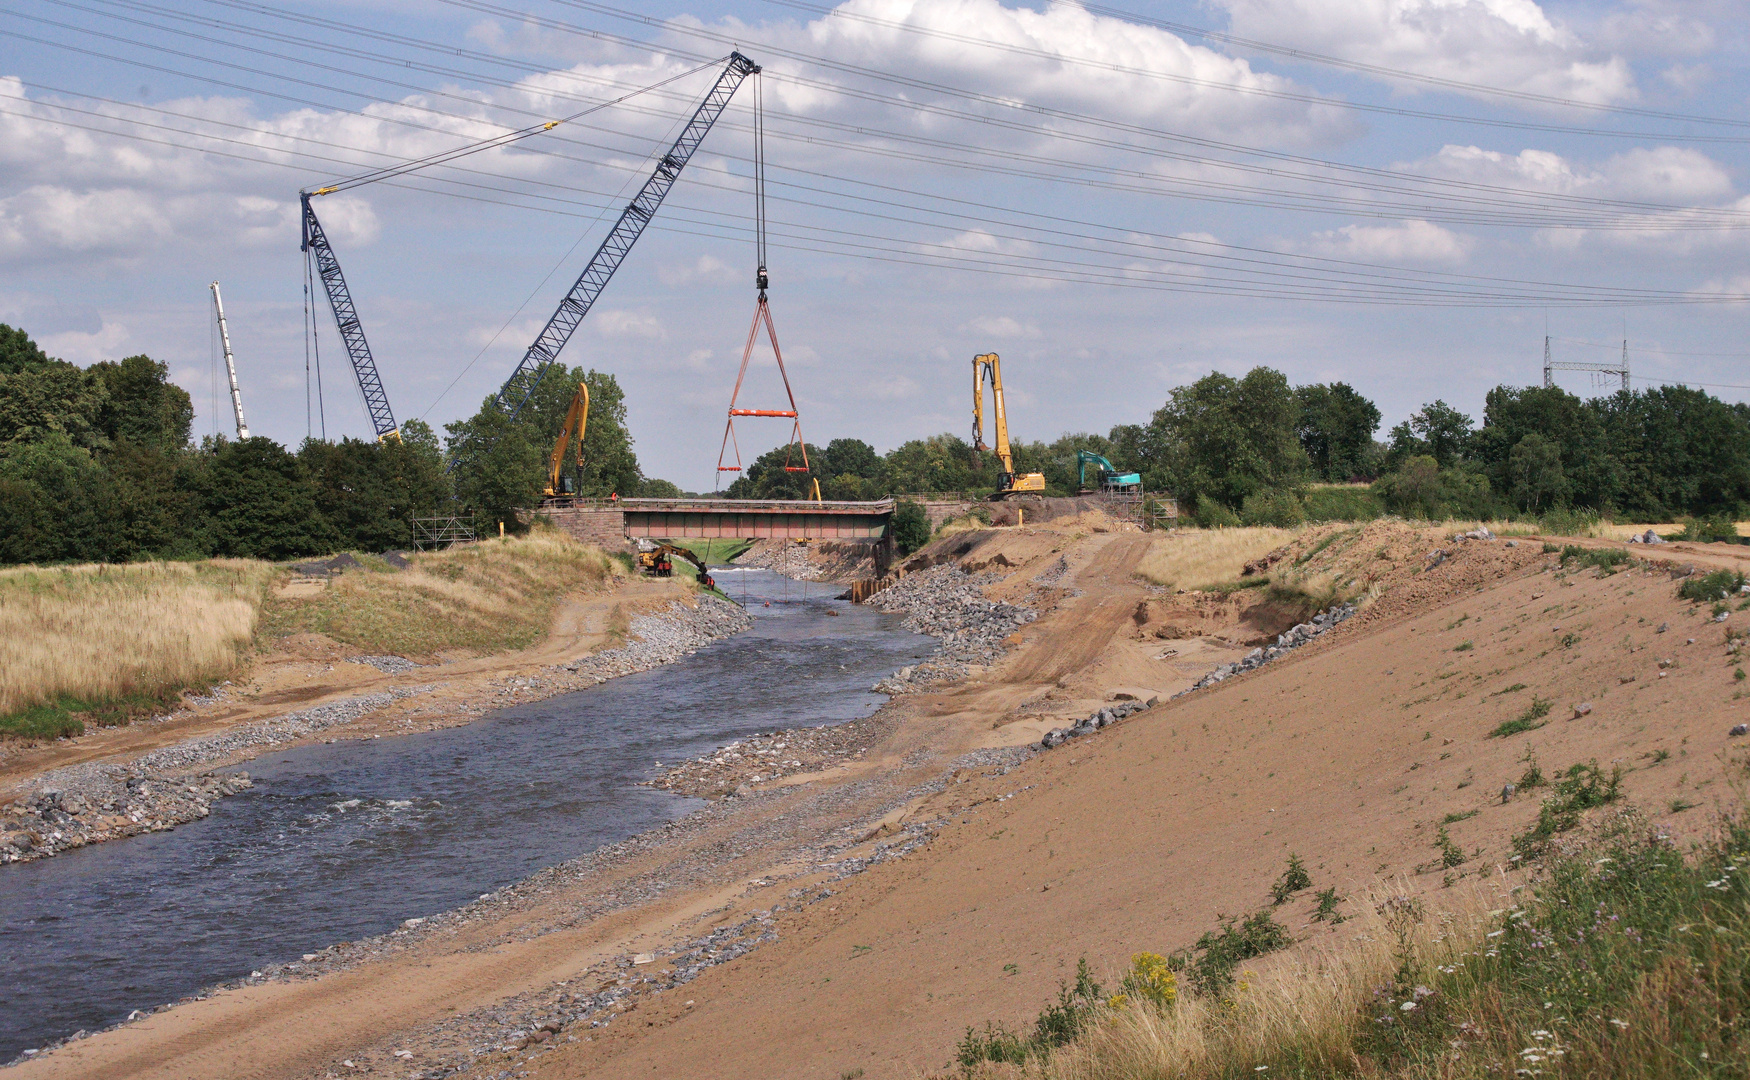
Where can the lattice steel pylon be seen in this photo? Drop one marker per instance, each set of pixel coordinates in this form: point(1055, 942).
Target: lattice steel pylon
point(762, 316)
point(1603, 368)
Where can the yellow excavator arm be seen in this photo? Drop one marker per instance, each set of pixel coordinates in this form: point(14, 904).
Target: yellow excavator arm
point(990, 365)
point(576, 419)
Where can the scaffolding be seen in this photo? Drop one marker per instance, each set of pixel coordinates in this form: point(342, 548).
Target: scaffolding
point(442, 531)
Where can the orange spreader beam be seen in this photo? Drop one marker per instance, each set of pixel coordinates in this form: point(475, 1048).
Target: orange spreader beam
point(762, 316)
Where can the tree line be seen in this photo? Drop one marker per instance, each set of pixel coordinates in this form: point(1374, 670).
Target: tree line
point(98, 464)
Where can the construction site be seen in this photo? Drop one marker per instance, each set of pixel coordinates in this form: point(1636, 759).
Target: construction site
point(1239, 740)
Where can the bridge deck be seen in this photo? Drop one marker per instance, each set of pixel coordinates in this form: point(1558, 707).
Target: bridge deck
point(756, 519)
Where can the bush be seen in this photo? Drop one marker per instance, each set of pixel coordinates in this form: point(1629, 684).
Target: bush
point(1720, 529)
point(1293, 879)
point(1605, 559)
point(1577, 790)
point(1222, 951)
point(911, 526)
point(1341, 503)
point(1272, 506)
point(1058, 1025)
point(1715, 586)
point(1214, 514)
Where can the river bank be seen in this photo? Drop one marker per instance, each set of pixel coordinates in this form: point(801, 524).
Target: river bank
point(73, 806)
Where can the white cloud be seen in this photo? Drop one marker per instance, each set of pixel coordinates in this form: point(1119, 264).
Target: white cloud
point(619, 323)
point(704, 268)
point(109, 342)
point(1512, 44)
point(1404, 242)
point(1663, 173)
point(1003, 327)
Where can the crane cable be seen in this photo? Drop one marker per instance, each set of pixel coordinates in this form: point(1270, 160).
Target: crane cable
point(445, 156)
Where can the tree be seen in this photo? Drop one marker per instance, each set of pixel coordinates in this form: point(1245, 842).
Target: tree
point(502, 479)
point(54, 397)
point(1438, 431)
point(769, 476)
point(1225, 438)
point(1534, 473)
point(1590, 476)
point(1681, 451)
point(142, 405)
point(1336, 430)
point(911, 526)
point(18, 352)
point(1420, 488)
point(260, 503)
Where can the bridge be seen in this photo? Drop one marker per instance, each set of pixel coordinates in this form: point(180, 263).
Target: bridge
point(613, 522)
point(755, 519)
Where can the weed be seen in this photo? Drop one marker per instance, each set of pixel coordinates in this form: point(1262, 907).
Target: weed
point(1605, 559)
point(1327, 904)
point(1515, 688)
point(1463, 646)
point(1011, 969)
point(1659, 755)
point(1532, 777)
point(1529, 720)
point(1451, 854)
point(1737, 674)
point(1710, 587)
point(1551, 549)
point(1222, 951)
point(1057, 1025)
point(1294, 878)
point(1149, 979)
point(1453, 819)
point(1580, 788)
point(1678, 805)
point(1568, 640)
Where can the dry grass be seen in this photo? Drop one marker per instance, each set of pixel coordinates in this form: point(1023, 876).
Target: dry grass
point(102, 633)
point(1296, 1016)
point(487, 597)
point(1206, 558)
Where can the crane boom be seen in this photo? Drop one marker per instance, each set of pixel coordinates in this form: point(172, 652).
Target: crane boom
point(358, 350)
point(551, 341)
point(1009, 483)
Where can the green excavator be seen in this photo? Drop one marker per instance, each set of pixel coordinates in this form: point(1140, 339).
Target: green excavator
point(1105, 474)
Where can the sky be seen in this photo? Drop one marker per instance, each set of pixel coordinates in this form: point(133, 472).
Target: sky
point(1405, 195)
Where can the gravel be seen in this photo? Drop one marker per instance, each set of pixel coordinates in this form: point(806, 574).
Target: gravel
point(388, 665)
point(949, 604)
point(1290, 639)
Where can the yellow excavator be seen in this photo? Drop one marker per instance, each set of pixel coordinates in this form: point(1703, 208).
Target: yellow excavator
point(989, 365)
point(576, 419)
point(659, 562)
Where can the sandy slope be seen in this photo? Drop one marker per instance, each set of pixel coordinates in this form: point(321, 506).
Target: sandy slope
point(1348, 752)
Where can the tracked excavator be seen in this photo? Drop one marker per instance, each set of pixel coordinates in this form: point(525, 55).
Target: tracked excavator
point(1105, 473)
point(576, 420)
point(1009, 484)
point(659, 562)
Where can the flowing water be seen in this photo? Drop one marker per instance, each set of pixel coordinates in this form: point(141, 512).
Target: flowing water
point(337, 842)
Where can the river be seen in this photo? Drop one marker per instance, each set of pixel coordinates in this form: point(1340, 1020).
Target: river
point(343, 841)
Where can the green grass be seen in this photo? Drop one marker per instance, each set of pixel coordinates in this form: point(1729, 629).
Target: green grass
point(1605, 559)
point(1453, 819)
point(1341, 502)
point(1581, 788)
point(715, 551)
point(1529, 720)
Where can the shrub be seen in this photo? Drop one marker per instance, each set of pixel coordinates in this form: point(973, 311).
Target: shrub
point(1711, 530)
point(1273, 506)
point(1214, 514)
point(1341, 503)
point(1451, 854)
point(1327, 905)
point(1715, 586)
point(1058, 1025)
point(1605, 559)
point(911, 526)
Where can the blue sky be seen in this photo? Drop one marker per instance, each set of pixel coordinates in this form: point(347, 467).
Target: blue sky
point(1110, 198)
